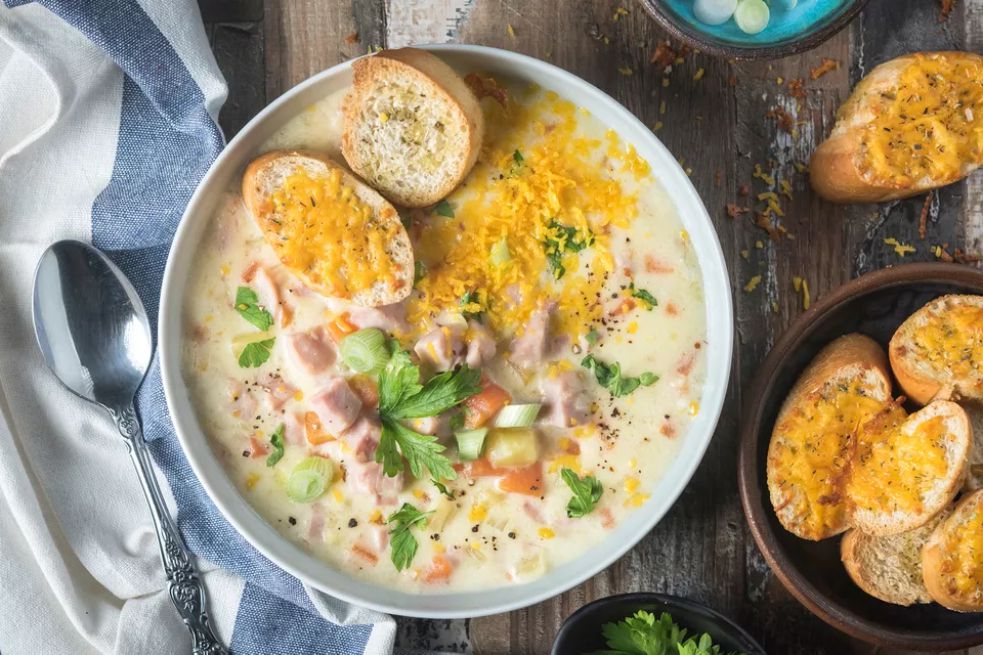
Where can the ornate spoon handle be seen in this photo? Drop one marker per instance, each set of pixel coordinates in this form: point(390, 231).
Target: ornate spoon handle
point(184, 585)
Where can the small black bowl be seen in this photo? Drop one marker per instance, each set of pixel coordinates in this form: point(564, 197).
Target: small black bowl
point(581, 632)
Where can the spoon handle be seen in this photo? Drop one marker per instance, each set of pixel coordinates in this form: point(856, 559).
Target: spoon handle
point(183, 584)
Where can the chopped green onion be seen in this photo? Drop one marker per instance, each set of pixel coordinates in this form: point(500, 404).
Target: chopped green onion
point(309, 479)
point(500, 252)
point(470, 443)
point(752, 16)
point(592, 337)
point(517, 416)
point(365, 351)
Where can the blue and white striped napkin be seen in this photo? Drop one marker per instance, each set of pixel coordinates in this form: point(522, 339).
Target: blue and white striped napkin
point(107, 122)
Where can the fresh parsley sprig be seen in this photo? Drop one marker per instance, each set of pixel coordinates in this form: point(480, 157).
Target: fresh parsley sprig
point(401, 397)
point(256, 353)
point(586, 492)
point(647, 298)
point(402, 544)
point(609, 376)
point(644, 634)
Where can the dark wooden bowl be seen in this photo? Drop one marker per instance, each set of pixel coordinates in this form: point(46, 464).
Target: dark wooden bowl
point(706, 42)
point(581, 632)
point(874, 304)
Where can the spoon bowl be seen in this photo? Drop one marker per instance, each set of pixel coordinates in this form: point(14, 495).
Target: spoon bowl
point(90, 324)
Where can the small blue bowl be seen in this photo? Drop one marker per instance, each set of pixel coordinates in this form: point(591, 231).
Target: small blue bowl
point(581, 632)
point(790, 31)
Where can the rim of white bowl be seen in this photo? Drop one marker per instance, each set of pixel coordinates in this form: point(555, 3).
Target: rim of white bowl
point(460, 604)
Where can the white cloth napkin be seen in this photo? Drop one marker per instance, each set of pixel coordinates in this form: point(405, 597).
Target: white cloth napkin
point(79, 563)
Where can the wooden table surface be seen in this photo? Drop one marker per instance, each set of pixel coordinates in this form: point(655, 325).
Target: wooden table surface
point(721, 119)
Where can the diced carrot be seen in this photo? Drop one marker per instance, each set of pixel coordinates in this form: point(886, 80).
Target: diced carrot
point(439, 570)
point(340, 326)
point(365, 554)
point(256, 447)
point(365, 388)
point(312, 428)
point(482, 468)
point(482, 406)
point(527, 480)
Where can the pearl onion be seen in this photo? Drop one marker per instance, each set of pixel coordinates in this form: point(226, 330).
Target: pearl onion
point(714, 12)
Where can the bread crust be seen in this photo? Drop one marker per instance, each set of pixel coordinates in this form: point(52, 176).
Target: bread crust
point(833, 168)
point(852, 351)
point(936, 548)
point(254, 195)
point(443, 80)
point(917, 385)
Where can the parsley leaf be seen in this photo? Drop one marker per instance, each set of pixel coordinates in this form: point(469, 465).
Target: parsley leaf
point(440, 393)
point(560, 240)
point(402, 543)
point(247, 304)
point(276, 440)
point(592, 337)
point(586, 492)
point(421, 451)
point(444, 208)
point(256, 353)
point(518, 158)
point(399, 380)
point(644, 296)
point(609, 376)
point(419, 271)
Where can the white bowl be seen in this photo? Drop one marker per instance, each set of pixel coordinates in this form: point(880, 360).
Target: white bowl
point(719, 318)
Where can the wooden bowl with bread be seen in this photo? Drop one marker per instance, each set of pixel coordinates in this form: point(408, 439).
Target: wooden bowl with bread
point(860, 471)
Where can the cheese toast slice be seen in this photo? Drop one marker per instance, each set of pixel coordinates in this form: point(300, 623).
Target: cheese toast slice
point(907, 468)
point(938, 351)
point(912, 124)
point(952, 560)
point(339, 236)
point(889, 568)
point(412, 127)
point(809, 454)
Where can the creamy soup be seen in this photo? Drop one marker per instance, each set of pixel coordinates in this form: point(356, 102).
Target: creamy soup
point(555, 289)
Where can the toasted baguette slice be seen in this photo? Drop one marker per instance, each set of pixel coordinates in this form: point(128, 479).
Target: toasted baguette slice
point(974, 476)
point(808, 457)
point(952, 560)
point(912, 124)
point(906, 469)
point(938, 351)
point(349, 245)
point(889, 568)
point(412, 127)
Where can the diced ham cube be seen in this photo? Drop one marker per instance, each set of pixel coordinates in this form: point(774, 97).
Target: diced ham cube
point(378, 536)
point(311, 352)
point(264, 283)
point(567, 399)
point(315, 531)
point(388, 318)
point(276, 391)
point(529, 350)
point(481, 345)
point(435, 426)
point(362, 437)
point(369, 478)
point(442, 348)
point(293, 429)
point(242, 405)
point(336, 405)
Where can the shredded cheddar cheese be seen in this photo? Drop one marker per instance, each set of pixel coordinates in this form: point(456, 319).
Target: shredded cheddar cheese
point(562, 178)
point(319, 225)
point(928, 126)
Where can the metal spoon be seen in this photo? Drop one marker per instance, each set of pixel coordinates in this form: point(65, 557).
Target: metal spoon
point(95, 336)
